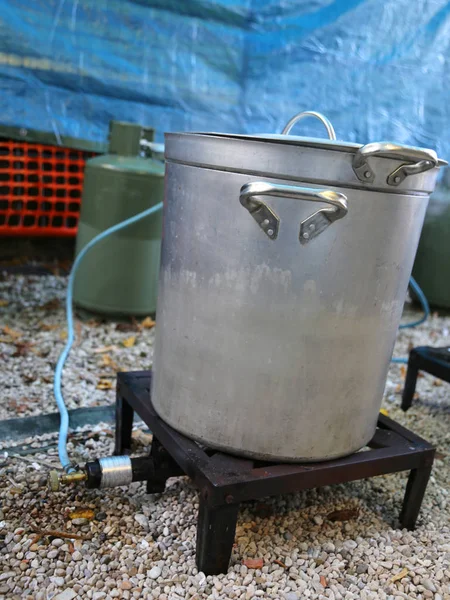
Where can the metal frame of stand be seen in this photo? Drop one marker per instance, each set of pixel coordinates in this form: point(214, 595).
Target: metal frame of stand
point(224, 481)
point(435, 361)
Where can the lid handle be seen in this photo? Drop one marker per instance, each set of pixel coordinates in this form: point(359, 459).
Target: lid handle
point(310, 113)
point(269, 221)
point(422, 160)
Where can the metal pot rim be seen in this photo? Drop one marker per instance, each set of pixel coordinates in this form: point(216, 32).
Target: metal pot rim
point(379, 165)
point(295, 140)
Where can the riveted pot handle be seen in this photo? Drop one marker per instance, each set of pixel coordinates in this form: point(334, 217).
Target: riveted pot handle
point(269, 221)
point(418, 160)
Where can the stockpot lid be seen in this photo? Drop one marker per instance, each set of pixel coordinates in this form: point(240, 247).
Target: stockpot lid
point(381, 166)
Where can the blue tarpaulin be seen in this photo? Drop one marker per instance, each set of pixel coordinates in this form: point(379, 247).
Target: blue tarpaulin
point(379, 69)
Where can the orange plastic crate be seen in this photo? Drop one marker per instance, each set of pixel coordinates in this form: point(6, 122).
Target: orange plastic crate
point(40, 189)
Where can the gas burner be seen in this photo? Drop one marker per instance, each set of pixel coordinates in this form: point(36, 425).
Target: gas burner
point(224, 481)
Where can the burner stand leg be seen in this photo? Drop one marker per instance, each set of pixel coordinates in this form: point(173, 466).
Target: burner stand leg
point(216, 527)
point(124, 426)
point(410, 382)
point(415, 490)
point(163, 467)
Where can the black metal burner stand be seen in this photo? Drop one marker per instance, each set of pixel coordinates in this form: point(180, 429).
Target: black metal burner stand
point(425, 358)
point(224, 480)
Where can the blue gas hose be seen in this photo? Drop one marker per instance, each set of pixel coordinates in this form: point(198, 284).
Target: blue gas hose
point(64, 422)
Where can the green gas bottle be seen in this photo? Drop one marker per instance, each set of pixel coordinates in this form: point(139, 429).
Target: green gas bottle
point(432, 264)
point(120, 274)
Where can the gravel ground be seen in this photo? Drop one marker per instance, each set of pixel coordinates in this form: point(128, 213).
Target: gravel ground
point(143, 546)
point(32, 333)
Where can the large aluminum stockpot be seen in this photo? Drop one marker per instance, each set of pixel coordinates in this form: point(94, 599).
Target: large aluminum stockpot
point(285, 265)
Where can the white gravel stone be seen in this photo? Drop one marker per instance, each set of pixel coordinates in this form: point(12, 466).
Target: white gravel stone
point(429, 585)
point(349, 545)
point(80, 521)
point(58, 542)
point(154, 572)
point(142, 520)
point(68, 594)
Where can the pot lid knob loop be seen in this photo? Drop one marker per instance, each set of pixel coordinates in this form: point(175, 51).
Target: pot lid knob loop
point(310, 113)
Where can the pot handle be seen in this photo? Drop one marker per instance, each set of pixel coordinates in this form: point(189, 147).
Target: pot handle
point(269, 221)
point(310, 113)
point(422, 160)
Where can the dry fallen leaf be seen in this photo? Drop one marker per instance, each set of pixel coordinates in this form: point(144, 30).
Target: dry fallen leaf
point(35, 539)
point(3, 303)
point(403, 371)
point(105, 384)
point(343, 515)
point(15, 335)
point(82, 513)
point(129, 342)
point(107, 361)
point(398, 576)
point(29, 377)
point(93, 322)
point(48, 326)
point(63, 335)
point(51, 304)
point(437, 382)
point(253, 563)
point(78, 332)
point(148, 323)
point(398, 389)
point(104, 349)
point(142, 438)
point(22, 348)
point(384, 412)
point(127, 327)
point(323, 581)
point(278, 562)
point(16, 260)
